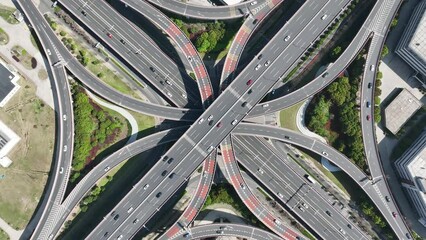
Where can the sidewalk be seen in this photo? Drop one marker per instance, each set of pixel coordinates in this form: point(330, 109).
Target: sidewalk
point(13, 234)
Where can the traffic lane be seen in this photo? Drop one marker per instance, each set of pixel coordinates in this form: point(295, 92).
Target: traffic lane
point(285, 183)
point(127, 52)
point(300, 140)
point(229, 229)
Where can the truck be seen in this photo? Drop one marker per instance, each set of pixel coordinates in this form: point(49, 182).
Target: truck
point(310, 179)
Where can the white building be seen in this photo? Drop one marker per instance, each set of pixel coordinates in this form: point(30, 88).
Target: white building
point(411, 167)
point(8, 84)
point(8, 139)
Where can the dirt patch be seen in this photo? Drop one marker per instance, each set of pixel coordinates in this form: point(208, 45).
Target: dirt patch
point(24, 181)
point(42, 74)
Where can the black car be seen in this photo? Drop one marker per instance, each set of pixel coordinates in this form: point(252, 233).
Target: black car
point(158, 194)
point(244, 104)
point(170, 160)
point(387, 199)
point(328, 213)
point(171, 175)
point(325, 74)
point(164, 173)
point(369, 85)
point(165, 158)
point(152, 69)
point(84, 13)
point(116, 217)
point(255, 21)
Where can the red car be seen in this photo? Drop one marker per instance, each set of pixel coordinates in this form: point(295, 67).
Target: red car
point(219, 125)
point(109, 35)
point(368, 117)
point(249, 82)
point(394, 214)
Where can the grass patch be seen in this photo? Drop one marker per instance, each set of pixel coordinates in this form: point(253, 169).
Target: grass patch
point(3, 235)
point(7, 14)
point(145, 123)
point(21, 55)
point(288, 117)
point(4, 38)
point(42, 74)
point(34, 123)
point(307, 234)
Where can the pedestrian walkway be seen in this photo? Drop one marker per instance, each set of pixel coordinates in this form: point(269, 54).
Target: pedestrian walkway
point(13, 234)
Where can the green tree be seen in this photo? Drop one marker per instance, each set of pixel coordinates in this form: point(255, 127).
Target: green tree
point(339, 90)
point(336, 52)
point(62, 33)
point(385, 51)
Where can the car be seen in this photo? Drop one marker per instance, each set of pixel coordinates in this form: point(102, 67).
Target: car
point(64, 117)
point(65, 148)
point(253, 3)
point(211, 122)
point(186, 235)
point(324, 17)
point(168, 82)
point(257, 67)
point(130, 210)
point(219, 124)
point(122, 41)
point(189, 59)
point(146, 187)
point(120, 237)
point(255, 21)
point(222, 227)
point(152, 69)
point(183, 95)
point(394, 214)
point(205, 173)
point(112, 214)
point(368, 117)
point(372, 68)
point(136, 220)
point(280, 195)
point(408, 235)
point(265, 105)
point(158, 195)
point(273, 91)
point(171, 175)
point(387, 199)
point(260, 56)
point(107, 168)
point(328, 213)
point(48, 52)
point(116, 216)
point(250, 91)
point(61, 170)
point(210, 118)
point(349, 226)
point(369, 85)
point(287, 137)
point(169, 94)
point(244, 104)
point(341, 230)
point(170, 160)
point(267, 63)
point(260, 171)
point(277, 221)
point(324, 153)
point(210, 149)
point(106, 234)
point(84, 13)
point(234, 122)
point(368, 104)
point(304, 205)
point(325, 74)
point(109, 35)
point(301, 208)
point(220, 231)
point(249, 82)
point(242, 186)
point(164, 173)
point(287, 38)
point(201, 120)
point(165, 158)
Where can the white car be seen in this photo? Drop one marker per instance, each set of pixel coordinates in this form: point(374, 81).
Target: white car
point(183, 95)
point(324, 16)
point(65, 148)
point(146, 187)
point(243, 186)
point(130, 210)
point(48, 52)
point(301, 208)
point(210, 118)
point(265, 105)
point(169, 94)
point(324, 153)
point(260, 171)
point(234, 122)
point(267, 63)
point(253, 3)
point(106, 169)
point(277, 221)
point(201, 121)
point(287, 38)
point(61, 170)
point(372, 68)
point(168, 82)
point(280, 195)
point(210, 149)
point(257, 67)
point(64, 117)
point(305, 205)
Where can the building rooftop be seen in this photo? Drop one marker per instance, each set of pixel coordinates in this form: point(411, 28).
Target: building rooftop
point(400, 110)
point(412, 45)
point(6, 85)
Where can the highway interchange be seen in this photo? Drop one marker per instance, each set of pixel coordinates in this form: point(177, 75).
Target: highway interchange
point(197, 142)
